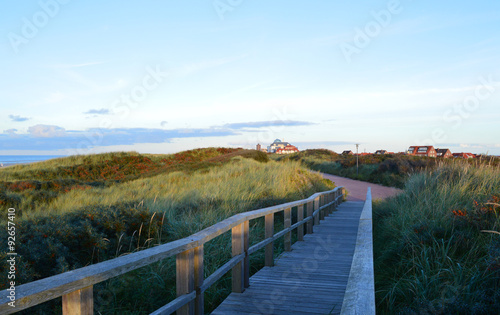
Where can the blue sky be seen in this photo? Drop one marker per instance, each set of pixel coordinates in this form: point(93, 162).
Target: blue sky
point(163, 76)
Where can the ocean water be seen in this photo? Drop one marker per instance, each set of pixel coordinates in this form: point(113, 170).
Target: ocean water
point(7, 160)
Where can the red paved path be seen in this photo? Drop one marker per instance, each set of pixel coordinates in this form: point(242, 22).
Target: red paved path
point(357, 189)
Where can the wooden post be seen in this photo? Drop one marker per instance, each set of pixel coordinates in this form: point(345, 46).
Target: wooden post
point(332, 198)
point(288, 236)
point(80, 302)
point(321, 212)
point(269, 233)
point(316, 207)
point(309, 215)
point(185, 279)
point(246, 265)
point(238, 272)
point(199, 302)
point(300, 217)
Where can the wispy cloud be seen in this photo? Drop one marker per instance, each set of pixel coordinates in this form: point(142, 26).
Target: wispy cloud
point(102, 111)
point(10, 131)
point(321, 144)
point(18, 118)
point(269, 123)
point(207, 64)
point(54, 97)
point(79, 65)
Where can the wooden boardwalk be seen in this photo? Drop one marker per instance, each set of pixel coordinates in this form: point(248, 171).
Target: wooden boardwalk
point(310, 279)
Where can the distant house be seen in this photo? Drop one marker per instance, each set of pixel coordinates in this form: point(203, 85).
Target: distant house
point(444, 153)
point(281, 147)
point(464, 155)
point(347, 152)
point(363, 154)
point(380, 152)
point(287, 150)
point(259, 148)
point(422, 151)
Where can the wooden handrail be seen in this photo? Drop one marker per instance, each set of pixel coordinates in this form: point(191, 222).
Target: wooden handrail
point(359, 297)
point(189, 256)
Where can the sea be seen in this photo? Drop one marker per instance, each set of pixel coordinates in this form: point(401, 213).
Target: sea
point(7, 160)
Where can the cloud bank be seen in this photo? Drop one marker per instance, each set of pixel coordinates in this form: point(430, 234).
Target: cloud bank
point(18, 118)
point(50, 137)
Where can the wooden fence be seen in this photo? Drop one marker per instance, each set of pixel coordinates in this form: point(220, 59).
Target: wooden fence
point(76, 286)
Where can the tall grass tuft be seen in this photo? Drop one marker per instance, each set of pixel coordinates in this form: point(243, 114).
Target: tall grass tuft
point(77, 227)
point(432, 254)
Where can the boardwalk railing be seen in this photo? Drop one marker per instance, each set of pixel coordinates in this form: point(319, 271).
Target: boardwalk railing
point(359, 296)
point(76, 286)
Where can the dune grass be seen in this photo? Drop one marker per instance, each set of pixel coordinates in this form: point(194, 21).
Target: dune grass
point(432, 254)
point(93, 223)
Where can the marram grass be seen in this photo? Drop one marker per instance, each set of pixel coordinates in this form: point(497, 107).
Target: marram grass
point(432, 254)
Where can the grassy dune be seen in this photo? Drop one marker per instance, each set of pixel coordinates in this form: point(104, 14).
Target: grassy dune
point(433, 255)
point(93, 216)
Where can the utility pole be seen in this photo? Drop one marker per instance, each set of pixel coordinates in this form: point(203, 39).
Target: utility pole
point(357, 160)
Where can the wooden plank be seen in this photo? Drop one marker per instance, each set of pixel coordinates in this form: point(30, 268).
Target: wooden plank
point(300, 217)
point(288, 236)
point(238, 282)
point(269, 232)
point(80, 302)
point(185, 279)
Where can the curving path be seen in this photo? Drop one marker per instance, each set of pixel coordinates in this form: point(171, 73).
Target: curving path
point(356, 189)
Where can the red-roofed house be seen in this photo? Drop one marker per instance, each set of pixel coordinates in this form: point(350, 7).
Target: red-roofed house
point(444, 153)
point(422, 151)
point(287, 149)
point(464, 155)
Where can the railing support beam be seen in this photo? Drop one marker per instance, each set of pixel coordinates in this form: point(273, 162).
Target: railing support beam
point(237, 247)
point(269, 260)
point(300, 217)
point(288, 236)
point(185, 279)
point(316, 207)
point(246, 264)
point(199, 302)
point(309, 214)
